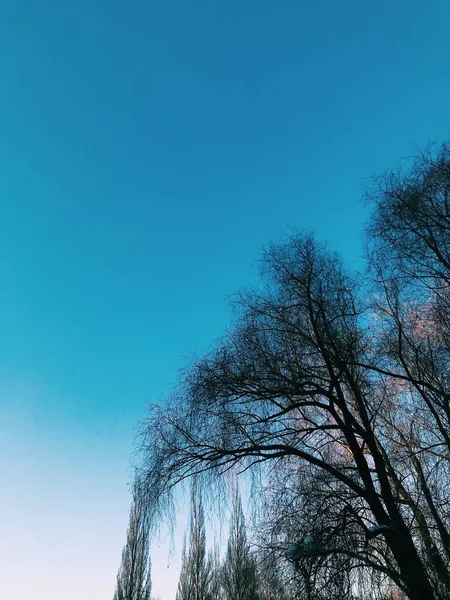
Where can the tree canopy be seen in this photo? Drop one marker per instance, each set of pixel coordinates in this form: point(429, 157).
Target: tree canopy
point(336, 384)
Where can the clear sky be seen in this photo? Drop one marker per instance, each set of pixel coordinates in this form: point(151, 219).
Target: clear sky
point(148, 151)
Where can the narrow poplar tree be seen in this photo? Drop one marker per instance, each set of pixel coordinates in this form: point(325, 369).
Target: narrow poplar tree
point(195, 576)
point(239, 568)
point(216, 590)
point(270, 585)
point(184, 591)
point(134, 575)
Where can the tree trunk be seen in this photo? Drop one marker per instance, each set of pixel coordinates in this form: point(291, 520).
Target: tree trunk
point(411, 568)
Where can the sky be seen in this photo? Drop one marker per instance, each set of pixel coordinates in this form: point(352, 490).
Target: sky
point(148, 152)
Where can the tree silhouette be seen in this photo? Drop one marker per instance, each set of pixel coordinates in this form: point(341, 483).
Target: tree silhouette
point(344, 376)
point(134, 575)
point(195, 577)
point(239, 568)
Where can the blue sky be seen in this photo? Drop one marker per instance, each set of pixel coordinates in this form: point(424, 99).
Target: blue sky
point(148, 151)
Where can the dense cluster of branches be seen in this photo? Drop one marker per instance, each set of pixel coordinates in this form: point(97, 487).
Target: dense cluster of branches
point(337, 387)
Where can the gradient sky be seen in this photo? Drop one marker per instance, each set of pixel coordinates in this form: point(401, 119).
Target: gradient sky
point(149, 150)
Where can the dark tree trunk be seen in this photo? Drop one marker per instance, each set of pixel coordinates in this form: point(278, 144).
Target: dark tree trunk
point(411, 567)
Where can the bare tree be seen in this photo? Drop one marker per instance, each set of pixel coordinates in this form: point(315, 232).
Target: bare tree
point(239, 568)
point(271, 574)
point(340, 562)
point(216, 589)
point(195, 577)
point(134, 576)
point(410, 258)
point(184, 590)
point(347, 376)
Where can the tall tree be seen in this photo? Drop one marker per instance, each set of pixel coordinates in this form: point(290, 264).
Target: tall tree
point(134, 575)
point(184, 591)
point(195, 576)
point(216, 587)
point(270, 576)
point(344, 377)
point(239, 568)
